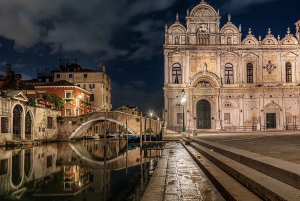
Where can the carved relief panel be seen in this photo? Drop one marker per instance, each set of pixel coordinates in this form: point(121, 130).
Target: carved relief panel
point(270, 71)
point(203, 62)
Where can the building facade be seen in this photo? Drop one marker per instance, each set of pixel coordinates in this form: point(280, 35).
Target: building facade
point(98, 83)
point(77, 100)
point(129, 109)
point(229, 82)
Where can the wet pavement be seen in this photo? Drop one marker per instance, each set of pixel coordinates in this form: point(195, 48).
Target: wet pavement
point(181, 179)
point(283, 145)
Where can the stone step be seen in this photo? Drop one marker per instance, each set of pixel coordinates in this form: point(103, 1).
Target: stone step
point(264, 186)
point(229, 188)
point(284, 171)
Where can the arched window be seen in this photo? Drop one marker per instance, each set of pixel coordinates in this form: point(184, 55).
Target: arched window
point(249, 73)
point(176, 74)
point(228, 73)
point(288, 72)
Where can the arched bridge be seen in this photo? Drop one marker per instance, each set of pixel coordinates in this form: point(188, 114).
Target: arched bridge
point(77, 126)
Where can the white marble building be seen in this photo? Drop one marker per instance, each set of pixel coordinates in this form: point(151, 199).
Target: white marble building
point(230, 82)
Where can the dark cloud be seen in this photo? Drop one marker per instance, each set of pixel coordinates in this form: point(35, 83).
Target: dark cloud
point(87, 26)
point(239, 6)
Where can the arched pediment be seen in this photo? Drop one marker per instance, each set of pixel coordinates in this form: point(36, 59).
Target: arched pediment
point(176, 53)
point(177, 29)
point(270, 40)
point(205, 79)
point(203, 10)
point(289, 40)
point(229, 28)
point(250, 40)
point(230, 103)
point(229, 53)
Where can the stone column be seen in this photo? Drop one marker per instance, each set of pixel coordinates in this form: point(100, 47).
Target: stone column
point(166, 68)
point(281, 69)
point(187, 67)
point(240, 68)
point(241, 110)
point(219, 64)
point(260, 68)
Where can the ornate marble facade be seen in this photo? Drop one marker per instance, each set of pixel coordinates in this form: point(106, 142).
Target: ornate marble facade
point(230, 82)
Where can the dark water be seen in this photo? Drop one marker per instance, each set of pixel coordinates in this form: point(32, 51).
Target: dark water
point(73, 171)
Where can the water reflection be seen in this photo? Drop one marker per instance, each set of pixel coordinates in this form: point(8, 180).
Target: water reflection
point(74, 171)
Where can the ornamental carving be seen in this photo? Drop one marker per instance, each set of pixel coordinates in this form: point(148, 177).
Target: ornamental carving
point(269, 67)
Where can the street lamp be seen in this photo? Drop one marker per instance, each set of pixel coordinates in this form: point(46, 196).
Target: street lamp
point(150, 125)
point(183, 100)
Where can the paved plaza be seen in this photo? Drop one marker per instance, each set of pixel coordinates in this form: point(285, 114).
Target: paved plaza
point(284, 145)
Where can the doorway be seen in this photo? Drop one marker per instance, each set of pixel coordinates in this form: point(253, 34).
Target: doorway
point(203, 115)
point(271, 120)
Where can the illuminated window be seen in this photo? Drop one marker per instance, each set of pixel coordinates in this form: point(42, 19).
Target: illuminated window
point(288, 72)
point(249, 73)
point(228, 74)
point(176, 74)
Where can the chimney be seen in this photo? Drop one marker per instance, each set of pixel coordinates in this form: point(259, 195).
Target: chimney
point(104, 67)
point(8, 70)
point(18, 84)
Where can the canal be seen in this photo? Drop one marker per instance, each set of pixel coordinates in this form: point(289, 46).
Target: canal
point(79, 170)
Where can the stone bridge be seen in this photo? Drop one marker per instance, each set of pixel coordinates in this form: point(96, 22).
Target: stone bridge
point(76, 127)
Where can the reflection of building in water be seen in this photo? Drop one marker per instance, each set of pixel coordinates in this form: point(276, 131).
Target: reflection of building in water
point(22, 169)
point(78, 170)
point(69, 181)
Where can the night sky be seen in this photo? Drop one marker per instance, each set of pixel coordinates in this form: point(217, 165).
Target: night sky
point(127, 35)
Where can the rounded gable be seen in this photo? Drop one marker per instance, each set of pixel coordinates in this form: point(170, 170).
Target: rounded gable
point(203, 10)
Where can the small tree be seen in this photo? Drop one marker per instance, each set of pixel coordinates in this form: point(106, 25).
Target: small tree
point(56, 100)
point(31, 102)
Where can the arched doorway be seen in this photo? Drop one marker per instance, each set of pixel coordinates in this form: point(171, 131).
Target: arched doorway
point(17, 122)
point(203, 115)
point(28, 126)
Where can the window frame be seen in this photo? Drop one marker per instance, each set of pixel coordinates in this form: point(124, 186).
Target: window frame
point(249, 69)
point(176, 74)
point(288, 72)
point(49, 122)
point(228, 74)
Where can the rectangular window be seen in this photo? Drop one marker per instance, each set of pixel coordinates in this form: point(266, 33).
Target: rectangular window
point(92, 86)
point(3, 167)
point(68, 97)
point(68, 112)
point(249, 73)
point(227, 118)
point(4, 124)
point(176, 74)
point(288, 73)
point(49, 161)
point(57, 75)
point(92, 97)
point(85, 75)
point(49, 122)
point(70, 75)
point(228, 74)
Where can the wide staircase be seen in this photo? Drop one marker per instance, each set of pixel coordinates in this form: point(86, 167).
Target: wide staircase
point(243, 175)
